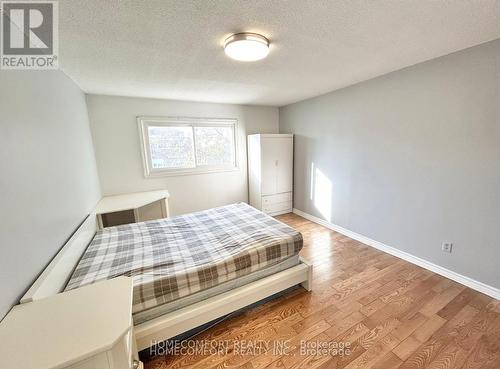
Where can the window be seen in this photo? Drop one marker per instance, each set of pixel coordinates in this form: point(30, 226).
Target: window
point(187, 145)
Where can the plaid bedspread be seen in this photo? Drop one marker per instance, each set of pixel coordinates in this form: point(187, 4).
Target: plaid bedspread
point(175, 257)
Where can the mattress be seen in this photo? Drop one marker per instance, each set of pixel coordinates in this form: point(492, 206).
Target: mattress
point(155, 312)
point(169, 259)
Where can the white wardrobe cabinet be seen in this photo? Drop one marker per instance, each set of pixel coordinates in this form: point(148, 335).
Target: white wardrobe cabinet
point(270, 172)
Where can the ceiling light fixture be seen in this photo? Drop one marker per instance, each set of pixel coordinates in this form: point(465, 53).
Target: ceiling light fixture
point(246, 46)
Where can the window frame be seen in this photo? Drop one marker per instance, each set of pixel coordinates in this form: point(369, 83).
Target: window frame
point(144, 122)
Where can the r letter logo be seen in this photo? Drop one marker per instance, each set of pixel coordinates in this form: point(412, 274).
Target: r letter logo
point(29, 37)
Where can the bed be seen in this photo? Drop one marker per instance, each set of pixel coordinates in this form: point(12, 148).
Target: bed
point(186, 270)
point(171, 259)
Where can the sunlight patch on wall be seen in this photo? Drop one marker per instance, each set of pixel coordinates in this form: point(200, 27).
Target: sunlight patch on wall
point(321, 192)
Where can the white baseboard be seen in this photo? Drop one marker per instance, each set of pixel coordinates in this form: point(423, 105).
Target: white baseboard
point(469, 282)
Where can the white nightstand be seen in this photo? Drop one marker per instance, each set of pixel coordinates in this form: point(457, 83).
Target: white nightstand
point(87, 328)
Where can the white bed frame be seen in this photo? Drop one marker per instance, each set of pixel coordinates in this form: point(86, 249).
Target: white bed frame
point(55, 276)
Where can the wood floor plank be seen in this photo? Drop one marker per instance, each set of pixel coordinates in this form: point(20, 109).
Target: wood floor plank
point(439, 340)
point(440, 300)
point(467, 338)
point(485, 355)
point(392, 313)
point(298, 359)
point(339, 326)
point(457, 303)
point(325, 313)
point(406, 347)
point(426, 330)
point(370, 356)
point(388, 361)
point(409, 325)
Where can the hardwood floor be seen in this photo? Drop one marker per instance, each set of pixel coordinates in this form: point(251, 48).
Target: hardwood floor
point(392, 313)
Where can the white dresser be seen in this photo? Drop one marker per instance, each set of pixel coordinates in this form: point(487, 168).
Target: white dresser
point(270, 172)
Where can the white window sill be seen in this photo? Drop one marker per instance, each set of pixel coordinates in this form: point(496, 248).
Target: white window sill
point(187, 172)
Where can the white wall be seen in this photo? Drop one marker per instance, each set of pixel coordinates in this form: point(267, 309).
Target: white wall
point(119, 161)
point(410, 159)
point(48, 181)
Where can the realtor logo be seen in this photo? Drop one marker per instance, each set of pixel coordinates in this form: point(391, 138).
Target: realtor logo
point(29, 35)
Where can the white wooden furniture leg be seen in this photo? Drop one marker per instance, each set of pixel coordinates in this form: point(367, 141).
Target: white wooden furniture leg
point(307, 284)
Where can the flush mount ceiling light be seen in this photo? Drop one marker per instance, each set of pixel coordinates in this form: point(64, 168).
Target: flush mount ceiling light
point(246, 46)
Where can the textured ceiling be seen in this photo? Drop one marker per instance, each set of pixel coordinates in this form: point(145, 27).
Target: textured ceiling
point(172, 49)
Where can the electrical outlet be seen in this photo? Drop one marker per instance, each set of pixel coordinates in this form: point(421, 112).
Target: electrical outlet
point(447, 246)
